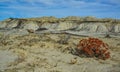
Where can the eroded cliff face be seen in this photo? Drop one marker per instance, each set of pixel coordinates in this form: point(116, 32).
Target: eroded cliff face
point(73, 27)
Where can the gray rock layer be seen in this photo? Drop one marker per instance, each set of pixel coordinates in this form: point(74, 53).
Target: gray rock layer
point(62, 26)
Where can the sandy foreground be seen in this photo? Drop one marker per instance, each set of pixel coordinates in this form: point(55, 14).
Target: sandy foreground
point(46, 53)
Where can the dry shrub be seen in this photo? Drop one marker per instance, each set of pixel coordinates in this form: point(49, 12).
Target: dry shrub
point(93, 47)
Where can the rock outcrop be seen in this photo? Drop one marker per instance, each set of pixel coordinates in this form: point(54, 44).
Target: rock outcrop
point(74, 26)
point(31, 25)
point(116, 28)
point(91, 27)
point(65, 26)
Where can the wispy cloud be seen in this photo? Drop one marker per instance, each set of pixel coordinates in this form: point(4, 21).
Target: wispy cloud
point(28, 8)
point(45, 4)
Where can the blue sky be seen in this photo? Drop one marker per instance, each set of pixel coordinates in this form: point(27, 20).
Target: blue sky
point(59, 8)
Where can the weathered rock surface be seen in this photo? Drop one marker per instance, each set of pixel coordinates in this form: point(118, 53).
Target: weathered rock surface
point(91, 27)
point(31, 25)
point(78, 28)
point(116, 28)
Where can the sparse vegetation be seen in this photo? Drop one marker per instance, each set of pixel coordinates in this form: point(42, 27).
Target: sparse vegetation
point(77, 19)
point(94, 47)
point(44, 51)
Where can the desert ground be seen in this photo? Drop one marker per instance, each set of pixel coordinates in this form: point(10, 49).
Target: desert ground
point(48, 53)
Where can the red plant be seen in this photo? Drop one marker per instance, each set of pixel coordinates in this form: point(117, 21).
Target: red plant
point(94, 47)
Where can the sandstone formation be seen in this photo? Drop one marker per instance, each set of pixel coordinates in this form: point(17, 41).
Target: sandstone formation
point(70, 26)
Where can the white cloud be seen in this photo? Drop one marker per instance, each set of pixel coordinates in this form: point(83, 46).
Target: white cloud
point(46, 2)
point(31, 7)
point(57, 3)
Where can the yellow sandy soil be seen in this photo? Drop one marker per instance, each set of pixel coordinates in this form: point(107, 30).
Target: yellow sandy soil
point(44, 53)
